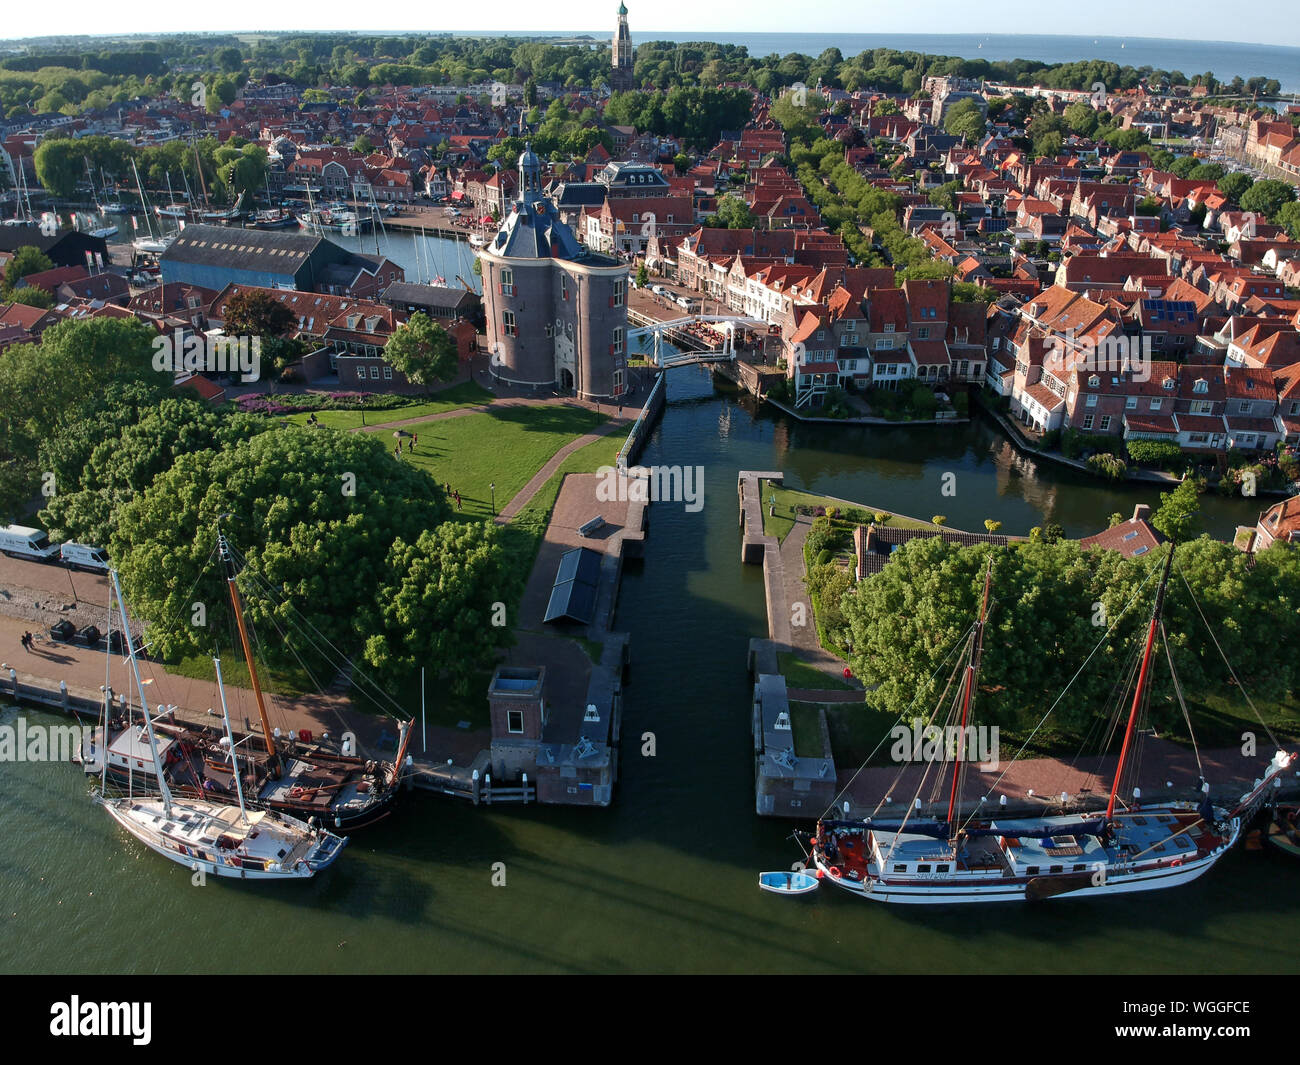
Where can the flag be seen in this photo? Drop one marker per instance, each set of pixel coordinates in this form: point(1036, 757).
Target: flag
point(90, 261)
point(99, 259)
point(135, 222)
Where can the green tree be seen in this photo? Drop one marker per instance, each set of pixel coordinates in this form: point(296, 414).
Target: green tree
point(27, 260)
point(1267, 197)
point(1179, 515)
point(435, 608)
point(362, 145)
point(313, 512)
point(59, 166)
point(965, 119)
point(102, 462)
point(59, 381)
point(423, 351)
point(734, 213)
point(255, 313)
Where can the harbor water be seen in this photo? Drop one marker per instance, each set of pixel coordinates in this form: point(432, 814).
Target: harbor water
point(666, 879)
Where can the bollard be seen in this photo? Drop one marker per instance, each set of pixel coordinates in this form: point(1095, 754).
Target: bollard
point(13, 681)
point(63, 695)
point(474, 783)
point(525, 777)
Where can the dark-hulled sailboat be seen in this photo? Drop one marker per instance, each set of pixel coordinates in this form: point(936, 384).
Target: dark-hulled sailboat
point(1139, 848)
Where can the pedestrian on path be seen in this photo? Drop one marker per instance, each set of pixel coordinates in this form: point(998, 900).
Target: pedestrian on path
point(458, 501)
point(27, 642)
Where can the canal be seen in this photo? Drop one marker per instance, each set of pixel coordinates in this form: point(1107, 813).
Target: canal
point(665, 880)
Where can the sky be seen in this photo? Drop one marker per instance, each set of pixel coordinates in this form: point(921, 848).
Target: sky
point(1269, 21)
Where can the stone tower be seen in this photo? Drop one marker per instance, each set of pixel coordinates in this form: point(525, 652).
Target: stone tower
point(556, 311)
point(621, 75)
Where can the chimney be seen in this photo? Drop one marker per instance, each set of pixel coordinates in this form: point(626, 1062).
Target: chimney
point(1141, 512)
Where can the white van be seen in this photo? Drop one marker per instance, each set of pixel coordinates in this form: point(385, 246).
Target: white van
point(659, 290)
point(20, 541)
point(83, 556)
point(684, 303)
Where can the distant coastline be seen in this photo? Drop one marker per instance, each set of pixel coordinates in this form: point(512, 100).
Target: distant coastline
point(1226, 59)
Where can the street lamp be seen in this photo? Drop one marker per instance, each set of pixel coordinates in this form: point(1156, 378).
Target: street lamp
point(493, 486)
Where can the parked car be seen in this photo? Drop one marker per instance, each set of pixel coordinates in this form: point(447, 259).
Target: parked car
point(659, 290)
point(84, 557)
point(20, 541)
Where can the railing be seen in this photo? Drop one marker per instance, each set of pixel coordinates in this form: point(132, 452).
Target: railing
point(638, 426)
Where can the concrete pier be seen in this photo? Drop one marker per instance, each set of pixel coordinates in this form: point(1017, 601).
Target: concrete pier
point(756, 546)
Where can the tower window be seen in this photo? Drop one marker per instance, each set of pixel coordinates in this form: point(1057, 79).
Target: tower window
point(508, 324)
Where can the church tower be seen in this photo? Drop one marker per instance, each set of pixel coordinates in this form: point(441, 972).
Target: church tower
point(621, 74)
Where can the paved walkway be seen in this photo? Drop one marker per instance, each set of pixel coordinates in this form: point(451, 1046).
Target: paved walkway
point(525, 495)
point(803, 638)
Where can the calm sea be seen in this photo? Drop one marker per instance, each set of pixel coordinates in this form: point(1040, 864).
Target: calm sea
point(1225, 59)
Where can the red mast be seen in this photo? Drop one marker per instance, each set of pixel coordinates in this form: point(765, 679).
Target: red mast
point(968, 689)
point(1140, 691)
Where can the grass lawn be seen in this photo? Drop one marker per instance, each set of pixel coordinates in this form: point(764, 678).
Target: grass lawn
point(805, 726)
point(443, 706)
point(522, 537)
point(465, 394)
point(290, 682)
point(780, 523)
point(801, 675)
point(855, 730)
point(1220, 718)
point(505, 446)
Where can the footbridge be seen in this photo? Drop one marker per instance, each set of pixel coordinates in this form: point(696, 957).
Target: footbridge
point(678, 332)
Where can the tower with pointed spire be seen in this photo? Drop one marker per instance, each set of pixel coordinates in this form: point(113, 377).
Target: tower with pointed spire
point(620, 79)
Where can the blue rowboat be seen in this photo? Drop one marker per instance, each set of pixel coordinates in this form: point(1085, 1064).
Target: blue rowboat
point(788, 883)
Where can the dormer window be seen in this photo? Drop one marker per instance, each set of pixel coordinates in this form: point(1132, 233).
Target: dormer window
point(1200, 385)
point(1094, 381)
point(1168, 384)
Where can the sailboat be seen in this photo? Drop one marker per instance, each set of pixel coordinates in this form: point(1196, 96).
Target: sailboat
point(309, 780)
point(980, 860)
point(214, 837)
point(147, 245)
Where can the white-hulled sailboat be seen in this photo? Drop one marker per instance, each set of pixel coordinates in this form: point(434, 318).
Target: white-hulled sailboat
point(215, 837)
point(1141, 848)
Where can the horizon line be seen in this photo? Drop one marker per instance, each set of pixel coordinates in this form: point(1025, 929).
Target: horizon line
point(600, 35)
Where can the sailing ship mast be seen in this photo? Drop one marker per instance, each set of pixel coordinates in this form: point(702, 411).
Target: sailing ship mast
point(224, 549)
point(1140, 692)
point(144, 702)
point(972, 671)
point(230, 738)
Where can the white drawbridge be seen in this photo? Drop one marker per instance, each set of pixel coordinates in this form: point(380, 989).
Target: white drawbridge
point(725, 323)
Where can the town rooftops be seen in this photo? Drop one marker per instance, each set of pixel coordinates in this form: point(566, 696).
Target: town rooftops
point(268, 251)
point(1131, 538)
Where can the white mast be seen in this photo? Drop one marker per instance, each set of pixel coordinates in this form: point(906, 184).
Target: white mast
point(230, 738)
point(144, 702)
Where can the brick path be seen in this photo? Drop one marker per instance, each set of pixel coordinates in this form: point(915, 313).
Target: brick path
point(803, 638)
